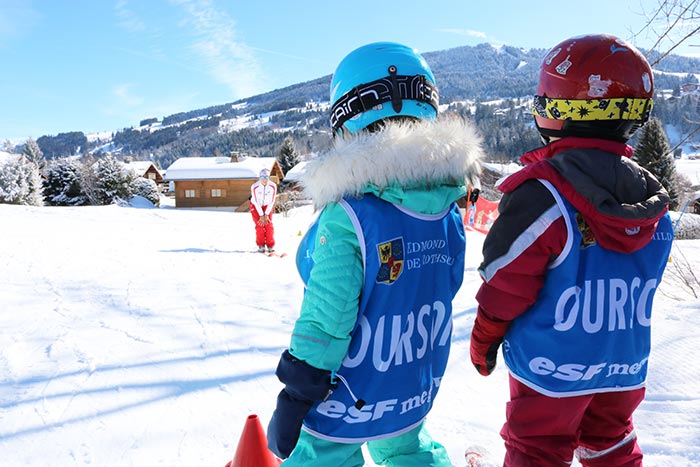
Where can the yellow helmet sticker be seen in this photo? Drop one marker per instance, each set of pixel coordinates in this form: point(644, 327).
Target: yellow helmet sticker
point(620, 108)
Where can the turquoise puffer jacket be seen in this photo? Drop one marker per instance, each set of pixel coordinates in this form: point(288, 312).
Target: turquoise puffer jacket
point(421, 167)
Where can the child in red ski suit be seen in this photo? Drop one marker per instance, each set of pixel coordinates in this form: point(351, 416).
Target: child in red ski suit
point(572, 263)
point(262, 206)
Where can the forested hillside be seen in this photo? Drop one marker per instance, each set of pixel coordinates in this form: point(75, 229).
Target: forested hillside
point(491, 85)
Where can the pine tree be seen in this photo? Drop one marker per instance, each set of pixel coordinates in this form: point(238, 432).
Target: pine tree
point(20, 183)
point(33, 153)
point(63, 183)
point(653, 152)
point(7, 146)
point(288, 156)
point(147, 188)
point(111, 181)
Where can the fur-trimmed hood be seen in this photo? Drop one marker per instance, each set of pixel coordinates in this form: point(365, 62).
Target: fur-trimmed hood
point(446, 151)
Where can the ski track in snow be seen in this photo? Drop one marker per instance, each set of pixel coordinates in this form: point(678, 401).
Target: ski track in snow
point(139, 337)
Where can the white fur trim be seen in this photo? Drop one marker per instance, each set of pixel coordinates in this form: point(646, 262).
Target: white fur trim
point(442, 151)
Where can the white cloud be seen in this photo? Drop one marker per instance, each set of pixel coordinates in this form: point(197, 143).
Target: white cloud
point(227, 59)
point(125, 95)
point(465, 32)
point(127, 18)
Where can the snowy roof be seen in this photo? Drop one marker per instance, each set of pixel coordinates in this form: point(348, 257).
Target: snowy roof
point(296, 172)
point(217, 168)
point(139, 167)
point(503, 169)
point(6, 157)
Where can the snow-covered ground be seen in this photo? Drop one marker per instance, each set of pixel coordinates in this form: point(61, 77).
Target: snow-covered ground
point(145, 337)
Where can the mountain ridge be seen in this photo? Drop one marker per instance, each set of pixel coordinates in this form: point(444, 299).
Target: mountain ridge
point(258, 124)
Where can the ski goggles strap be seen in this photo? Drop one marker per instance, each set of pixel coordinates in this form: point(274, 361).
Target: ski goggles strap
point(619, 108)
point(394, 88)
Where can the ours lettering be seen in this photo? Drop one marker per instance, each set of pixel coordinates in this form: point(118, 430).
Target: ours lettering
point(605, 305)
point(402, 340)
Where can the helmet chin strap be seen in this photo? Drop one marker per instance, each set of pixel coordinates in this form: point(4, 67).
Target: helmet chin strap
point(614, 130)
point(547, 134)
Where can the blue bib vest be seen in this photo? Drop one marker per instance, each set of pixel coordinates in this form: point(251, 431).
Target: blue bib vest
point(413, 267)
point(589, 330)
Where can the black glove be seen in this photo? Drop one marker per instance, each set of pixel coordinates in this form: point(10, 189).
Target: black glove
point(304, 386)
point(474, 196)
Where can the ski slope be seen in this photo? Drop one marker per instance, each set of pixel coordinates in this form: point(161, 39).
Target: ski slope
point(145, 337)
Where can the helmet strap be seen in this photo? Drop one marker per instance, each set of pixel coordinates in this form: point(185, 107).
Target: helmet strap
point(394, 88)
point(396, 102)
point(615, 130)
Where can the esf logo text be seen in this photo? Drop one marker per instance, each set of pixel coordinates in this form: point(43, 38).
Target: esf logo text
point(370, 412)
point(579, 372)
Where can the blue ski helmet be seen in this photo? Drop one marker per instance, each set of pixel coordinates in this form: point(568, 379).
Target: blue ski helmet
point(381, 80)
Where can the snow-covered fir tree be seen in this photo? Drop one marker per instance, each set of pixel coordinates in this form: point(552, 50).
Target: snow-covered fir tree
point(7, 146)
point(653, 152)
point(111, 181)
point(20, 183)
point(147, 188)
point(63, 183)
point(288, 156)
point(33, 153)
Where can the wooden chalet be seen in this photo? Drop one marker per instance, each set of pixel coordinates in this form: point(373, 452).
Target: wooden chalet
point(145, 169)
point(217, 181)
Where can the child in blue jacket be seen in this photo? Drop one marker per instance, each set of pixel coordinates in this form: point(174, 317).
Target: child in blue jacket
point(381, 266)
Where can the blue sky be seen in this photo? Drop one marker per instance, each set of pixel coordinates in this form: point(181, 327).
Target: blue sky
point(104, 65)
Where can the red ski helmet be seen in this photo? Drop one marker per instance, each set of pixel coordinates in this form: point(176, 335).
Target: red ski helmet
point(593, 86)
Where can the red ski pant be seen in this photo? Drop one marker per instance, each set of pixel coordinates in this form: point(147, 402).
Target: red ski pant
point(542, 431)
point(264, 234)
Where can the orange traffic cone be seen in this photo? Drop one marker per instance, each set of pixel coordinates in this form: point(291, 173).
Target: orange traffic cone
point(252, 447)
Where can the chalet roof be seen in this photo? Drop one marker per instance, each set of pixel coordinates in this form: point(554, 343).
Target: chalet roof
point(140, 167)
point(295, 173)
point(6, 157)
point(217, 168)
point(502, 169)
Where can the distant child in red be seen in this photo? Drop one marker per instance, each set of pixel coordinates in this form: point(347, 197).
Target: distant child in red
point(262, 205)
point(572, 262)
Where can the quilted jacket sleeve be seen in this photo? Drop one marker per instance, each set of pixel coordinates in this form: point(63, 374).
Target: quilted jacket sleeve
point(321, 335)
